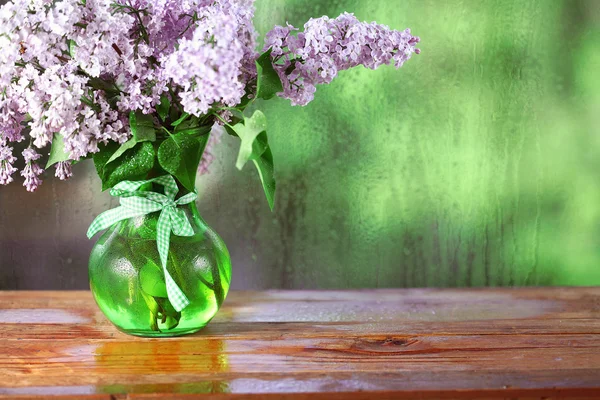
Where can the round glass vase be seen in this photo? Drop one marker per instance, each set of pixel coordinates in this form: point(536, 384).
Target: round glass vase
point(128, 283)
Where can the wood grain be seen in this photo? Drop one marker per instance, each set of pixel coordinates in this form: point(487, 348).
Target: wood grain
point(417, 343)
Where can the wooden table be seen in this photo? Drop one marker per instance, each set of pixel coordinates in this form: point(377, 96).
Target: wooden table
point(371, 344)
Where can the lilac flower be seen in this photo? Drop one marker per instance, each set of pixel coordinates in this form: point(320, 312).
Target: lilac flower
point(210, 65)
point(76, 69)
point(63, 170)
point(328, 46)
point(11, 120)
point(6, 164)
point(32, 171)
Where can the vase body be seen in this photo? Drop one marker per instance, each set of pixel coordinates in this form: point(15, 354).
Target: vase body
point(128, 283)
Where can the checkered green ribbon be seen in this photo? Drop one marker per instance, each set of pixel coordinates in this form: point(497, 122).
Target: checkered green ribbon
point(135, 203)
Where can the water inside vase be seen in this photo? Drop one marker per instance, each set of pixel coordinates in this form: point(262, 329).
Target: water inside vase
point(128, 282)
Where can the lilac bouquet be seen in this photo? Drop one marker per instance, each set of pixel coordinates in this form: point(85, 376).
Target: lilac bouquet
point(144, 88)
point(137, 85)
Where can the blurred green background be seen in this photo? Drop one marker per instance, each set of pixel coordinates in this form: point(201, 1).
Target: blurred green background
point(475, 164)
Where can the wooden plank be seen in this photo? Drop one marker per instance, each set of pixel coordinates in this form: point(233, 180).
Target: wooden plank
point(387, 395)
point(525, 343)
point(60, 397)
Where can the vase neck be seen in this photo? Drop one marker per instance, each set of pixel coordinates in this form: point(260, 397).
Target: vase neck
point(191, 210)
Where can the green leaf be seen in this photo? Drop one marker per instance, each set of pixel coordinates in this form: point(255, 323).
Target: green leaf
point(268, 83)
point(142, 126)
point(192, 128)
point(255, 147)
point(264, 165)
point(167, 308)
point(185, 124)
point(71, 44)
point(153, 308)
point(57, 151)
point(230, 131)
point(180, 155)
point(152, 280)
point(170, 316)
point(172, 322)
point(248, 131)
point(121, 150)
point(163, 108)
point(180, 120)
point(134, 164)
point(196, 131)
point(103, 155)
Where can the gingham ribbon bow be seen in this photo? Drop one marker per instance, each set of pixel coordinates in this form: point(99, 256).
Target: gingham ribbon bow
point(135, 203)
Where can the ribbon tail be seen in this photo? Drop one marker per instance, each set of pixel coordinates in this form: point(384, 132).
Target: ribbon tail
point(178, 299)
point(181, 224)
point(108, 218)
point(176, 296)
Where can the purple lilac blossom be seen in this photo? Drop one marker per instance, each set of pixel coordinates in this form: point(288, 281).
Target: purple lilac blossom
point(63, 170)
point(212, 66)
point(200, 54)
point(6, 164)
point(43, 82)
point(32, 170)
point(50, 50)
point(327, 46)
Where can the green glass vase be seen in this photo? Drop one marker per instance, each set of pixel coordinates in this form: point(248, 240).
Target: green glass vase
point(128, 282)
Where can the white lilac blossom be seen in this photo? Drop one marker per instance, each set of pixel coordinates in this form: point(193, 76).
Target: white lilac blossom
point(327, 46)
point(77, 70)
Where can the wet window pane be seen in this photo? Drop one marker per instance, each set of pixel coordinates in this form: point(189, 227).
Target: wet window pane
point(477, 163)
